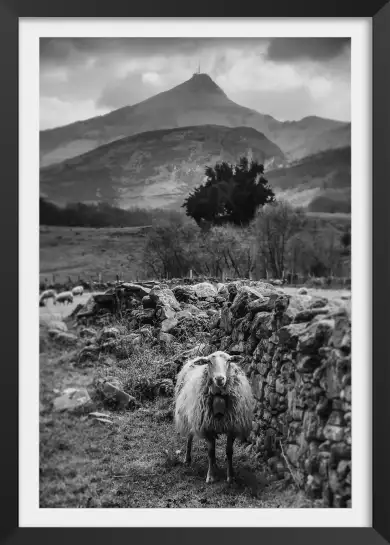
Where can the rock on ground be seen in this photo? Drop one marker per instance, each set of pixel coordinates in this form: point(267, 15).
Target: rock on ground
point(62, 337)
point(58, 325)
point(205, 290)
point(72, 399)
point(113, 391)
point(166, 338)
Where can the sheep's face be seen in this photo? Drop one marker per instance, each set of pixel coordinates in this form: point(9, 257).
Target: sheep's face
point(218, 365)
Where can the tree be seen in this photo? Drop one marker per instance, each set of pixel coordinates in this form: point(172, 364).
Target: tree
point(227, 248)
point(171, 247)
point(231, 194)
point(275, 225)
point(100, 214)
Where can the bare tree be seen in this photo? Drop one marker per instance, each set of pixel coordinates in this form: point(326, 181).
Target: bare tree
point(275, 224)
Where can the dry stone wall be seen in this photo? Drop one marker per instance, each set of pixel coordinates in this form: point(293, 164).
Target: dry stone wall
point(297, 353)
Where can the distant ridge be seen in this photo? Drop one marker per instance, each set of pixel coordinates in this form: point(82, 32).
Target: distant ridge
point(153, 168)
point(321, 181)
point(197, 101)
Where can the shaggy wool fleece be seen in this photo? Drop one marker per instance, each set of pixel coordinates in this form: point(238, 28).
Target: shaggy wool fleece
point(194, 402)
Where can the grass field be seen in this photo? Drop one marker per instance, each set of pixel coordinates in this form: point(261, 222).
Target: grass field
point(82, 252)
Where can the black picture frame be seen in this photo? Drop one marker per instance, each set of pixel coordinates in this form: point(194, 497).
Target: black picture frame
point(10, 12)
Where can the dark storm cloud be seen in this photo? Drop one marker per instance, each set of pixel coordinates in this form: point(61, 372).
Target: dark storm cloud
point(316, 49)
point(62, 49)
point(67, 51)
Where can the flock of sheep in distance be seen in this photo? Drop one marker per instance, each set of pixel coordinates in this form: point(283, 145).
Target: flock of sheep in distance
point(62, 297)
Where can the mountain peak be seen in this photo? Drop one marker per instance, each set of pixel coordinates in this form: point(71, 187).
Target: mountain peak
point(201, 83)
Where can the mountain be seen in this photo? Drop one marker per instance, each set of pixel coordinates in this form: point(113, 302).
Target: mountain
point(310, 135)
point(321, 181)
point(198, 101)
point(155, 168)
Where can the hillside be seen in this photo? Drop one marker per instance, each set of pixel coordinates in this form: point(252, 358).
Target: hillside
point(321, 181)
point(153, 169)
point(198, 101)
point(310, 135)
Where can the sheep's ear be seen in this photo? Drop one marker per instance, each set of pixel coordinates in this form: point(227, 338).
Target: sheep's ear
point(235, 358)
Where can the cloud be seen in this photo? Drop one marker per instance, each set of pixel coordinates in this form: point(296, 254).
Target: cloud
point(138, 84)
point(129, 90)
point(151, 77)
point(52, 109)
point(316, 49)
point(288, 78)
point(297, 102)
point(74, 50)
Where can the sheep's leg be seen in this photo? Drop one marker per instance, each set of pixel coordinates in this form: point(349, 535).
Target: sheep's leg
point(229, 456)
point(188, 450)
point(212, 462)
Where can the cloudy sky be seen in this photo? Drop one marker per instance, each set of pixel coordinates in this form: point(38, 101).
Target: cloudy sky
point(288, 78)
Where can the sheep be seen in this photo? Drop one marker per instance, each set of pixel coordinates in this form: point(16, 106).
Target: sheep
point(45, 295)
point(213, 397)
point(64, 297)
point(78, 290)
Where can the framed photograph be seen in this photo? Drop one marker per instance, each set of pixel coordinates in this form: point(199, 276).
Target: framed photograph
point(202, 264)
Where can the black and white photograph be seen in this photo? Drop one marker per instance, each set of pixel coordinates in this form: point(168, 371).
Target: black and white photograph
point(195, 272)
